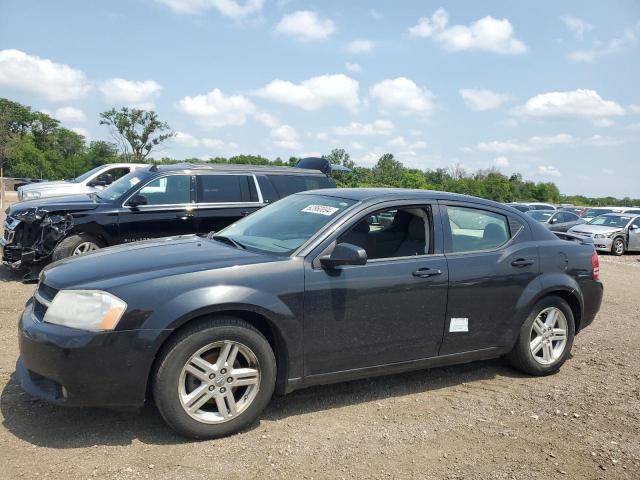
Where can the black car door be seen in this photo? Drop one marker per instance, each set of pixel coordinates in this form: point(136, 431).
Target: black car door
point(491, 262)
point(169, 209)
point(391, 309)
point(224, 198)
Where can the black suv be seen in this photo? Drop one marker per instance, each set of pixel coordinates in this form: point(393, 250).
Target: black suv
point(157, 201)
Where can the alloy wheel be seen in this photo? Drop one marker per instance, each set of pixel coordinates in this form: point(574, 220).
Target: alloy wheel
point(219, 382)
point(618, 246)
point(85, 247)
point(548, 336)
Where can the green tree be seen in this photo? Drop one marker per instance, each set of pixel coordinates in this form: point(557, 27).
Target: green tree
point(137, 132)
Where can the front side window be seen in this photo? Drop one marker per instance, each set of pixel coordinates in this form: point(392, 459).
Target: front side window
point(223, 188)
point(392, 233)
point(474, 229)
point(123, 185)
point(290, 184)
point(171, 190)
point(116, 174)
point(285, 225)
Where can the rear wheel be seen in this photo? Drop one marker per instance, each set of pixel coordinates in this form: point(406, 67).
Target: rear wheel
point(545, 339)
point(74, 245)
point(617, 247)
point(214, 378)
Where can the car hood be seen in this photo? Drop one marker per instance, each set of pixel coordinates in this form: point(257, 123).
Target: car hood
point(45, 185)
point(584, 228)
point(139, 261)
point(66, 204)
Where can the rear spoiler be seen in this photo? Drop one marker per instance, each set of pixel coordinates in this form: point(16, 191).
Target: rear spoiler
point(322, 164)
point(574, 238)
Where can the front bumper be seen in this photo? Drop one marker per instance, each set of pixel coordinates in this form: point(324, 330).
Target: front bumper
point(66, 366)
point(603, 244)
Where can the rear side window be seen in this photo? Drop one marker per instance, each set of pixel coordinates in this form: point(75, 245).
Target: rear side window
point(224, 188)
point(474, 229)
point(289, 184)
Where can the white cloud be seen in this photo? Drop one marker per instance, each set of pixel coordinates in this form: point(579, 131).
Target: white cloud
point(229, 8)
point(603, 141)
point(402, 96)
point(56, 82)
point(314, 93)
point(487, 34)
point(189, 141)
point(217, 144)
point(215, 109)
point(403, 142)
point(185, 139)
point(70, 114)
point(480, 100)
point(578, 26)
point(576, 103)
point(499, 147)
point(360, 46)
point(286, 137)
point(82, 131)
point(604, 122)
point(608, 171)
point(357, 146)
point(305, 25)
point(375, 14)
point(378, 127)
point(559, 139)
point(130, 93)
point(501, 162)
point(629, 39)
point(353, 67)
point(635, 108)
point(548, 171)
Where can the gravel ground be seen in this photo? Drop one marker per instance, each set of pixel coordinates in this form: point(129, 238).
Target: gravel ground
point(477, 421)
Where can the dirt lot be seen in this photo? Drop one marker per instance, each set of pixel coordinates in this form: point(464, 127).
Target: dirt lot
point(482, 420)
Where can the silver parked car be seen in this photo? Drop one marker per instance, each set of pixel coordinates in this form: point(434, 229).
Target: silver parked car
point(91, 181)
point(556, 221)
point(613, 232)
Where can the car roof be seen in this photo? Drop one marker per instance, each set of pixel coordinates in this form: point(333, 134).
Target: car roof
point(620, 214)
point(367, 194)
point(235, 168)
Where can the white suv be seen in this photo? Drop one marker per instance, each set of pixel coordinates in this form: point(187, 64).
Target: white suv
point(91, 181)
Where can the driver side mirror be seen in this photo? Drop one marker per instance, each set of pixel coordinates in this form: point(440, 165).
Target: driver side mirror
point(634, 227)
point(137, 200)
point(344, 254)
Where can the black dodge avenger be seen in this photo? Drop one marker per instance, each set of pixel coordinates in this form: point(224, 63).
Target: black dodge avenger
point(320, 287)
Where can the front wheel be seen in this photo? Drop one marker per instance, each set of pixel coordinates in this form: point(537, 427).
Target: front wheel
point(545, 339)
point(617, 248)
point(214, 378)
point(77, 244)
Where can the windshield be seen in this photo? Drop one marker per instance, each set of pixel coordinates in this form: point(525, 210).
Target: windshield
point(86, 175)
point(285, 225)
point(539, 215)
point(594, 212)
point(611, 221)
point(122, 185)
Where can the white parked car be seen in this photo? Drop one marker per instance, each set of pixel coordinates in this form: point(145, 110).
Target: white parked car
point(616, 233)
point(91, 181)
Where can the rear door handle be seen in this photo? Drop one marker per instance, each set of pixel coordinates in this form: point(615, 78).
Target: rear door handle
point(184, 216)
point(522, 262)
point(245, 213)
point(426, 272)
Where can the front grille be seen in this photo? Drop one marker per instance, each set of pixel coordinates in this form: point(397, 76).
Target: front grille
point(584, 234)
point(42, 298)
point(11, 254)
point(8, 235)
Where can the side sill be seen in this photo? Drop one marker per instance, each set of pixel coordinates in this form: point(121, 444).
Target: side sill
point(387, 369)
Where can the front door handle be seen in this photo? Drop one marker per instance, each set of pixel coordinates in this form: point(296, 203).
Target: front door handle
point(245, 213)
point(184, 216)
point(426, 272)
point(522, 262)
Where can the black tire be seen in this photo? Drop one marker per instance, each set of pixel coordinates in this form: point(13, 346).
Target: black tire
point(67, 245)
point(165, 378)
point(521, 356)
point(618, 247)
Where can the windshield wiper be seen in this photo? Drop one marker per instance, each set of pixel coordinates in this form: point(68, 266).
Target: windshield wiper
point(229, 240)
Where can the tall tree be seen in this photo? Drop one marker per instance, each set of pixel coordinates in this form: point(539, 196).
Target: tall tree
point(137, 132)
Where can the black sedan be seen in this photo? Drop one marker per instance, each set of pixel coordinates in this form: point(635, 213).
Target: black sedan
point(322, 286)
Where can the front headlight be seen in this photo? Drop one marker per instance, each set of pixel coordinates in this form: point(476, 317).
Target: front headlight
point(599, 235)
point(85, 309)
point(30, 195)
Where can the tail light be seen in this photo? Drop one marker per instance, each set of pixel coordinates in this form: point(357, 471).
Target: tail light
point(595, 265)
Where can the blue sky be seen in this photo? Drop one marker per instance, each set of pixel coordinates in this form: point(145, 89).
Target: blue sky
point(547, 89)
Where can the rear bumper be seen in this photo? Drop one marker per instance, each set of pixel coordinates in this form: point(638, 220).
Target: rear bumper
point(66, 366)
point(592, 292)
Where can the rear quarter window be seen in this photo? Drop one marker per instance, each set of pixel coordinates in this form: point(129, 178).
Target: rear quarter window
point(286, 185)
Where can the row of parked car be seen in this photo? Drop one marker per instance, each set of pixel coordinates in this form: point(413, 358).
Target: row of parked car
point(615, 230)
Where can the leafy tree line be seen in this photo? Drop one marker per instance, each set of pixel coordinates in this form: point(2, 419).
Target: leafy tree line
point(34, 145)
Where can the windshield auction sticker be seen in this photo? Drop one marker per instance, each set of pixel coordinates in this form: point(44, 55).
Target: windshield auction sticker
point(320, 209)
